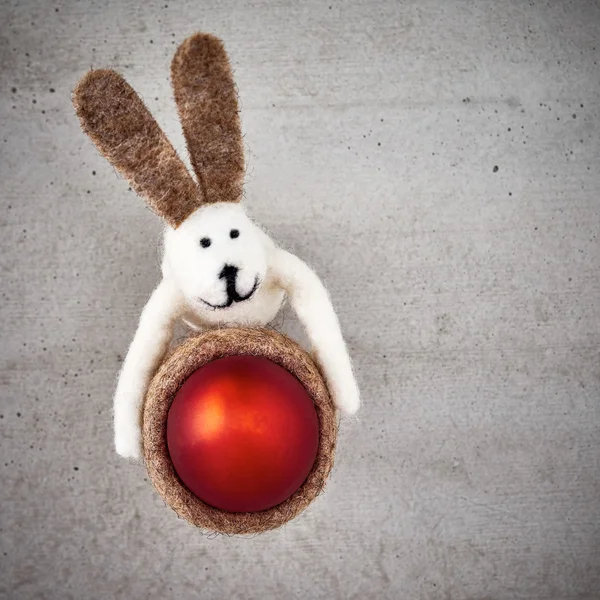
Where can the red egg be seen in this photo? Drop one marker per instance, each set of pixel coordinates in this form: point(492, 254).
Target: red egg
point(242, 433)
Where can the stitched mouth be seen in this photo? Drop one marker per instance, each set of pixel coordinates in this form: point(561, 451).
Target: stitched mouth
point(233, 296)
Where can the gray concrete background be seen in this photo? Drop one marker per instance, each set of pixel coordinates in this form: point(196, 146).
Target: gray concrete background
point(470, 296)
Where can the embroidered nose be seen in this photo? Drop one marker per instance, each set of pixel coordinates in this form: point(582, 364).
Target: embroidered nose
point(229, 273)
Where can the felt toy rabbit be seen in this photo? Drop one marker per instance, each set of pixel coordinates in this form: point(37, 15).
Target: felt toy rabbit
point(219, 268)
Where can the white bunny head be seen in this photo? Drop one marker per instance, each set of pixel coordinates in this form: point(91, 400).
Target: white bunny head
point(217, 257)
point(214, 254)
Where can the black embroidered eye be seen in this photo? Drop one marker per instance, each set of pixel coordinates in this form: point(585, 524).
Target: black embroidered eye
point(234, 233)
point(205, 242)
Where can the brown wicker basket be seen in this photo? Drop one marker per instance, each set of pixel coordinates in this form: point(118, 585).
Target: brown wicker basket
point(194, 353)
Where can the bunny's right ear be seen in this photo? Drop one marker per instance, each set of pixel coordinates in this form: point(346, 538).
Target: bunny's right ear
point(125, 132)
point(207, 103)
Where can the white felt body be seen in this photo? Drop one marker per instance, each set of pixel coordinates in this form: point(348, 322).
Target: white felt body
point(191, 286)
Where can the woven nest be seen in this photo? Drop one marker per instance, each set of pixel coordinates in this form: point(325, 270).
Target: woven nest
point(194, 353)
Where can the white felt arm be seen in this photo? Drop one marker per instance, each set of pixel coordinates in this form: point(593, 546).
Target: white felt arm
point(312, 304)
point(151, 341)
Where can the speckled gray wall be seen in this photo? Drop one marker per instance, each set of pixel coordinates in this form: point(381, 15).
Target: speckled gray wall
point(437, 163)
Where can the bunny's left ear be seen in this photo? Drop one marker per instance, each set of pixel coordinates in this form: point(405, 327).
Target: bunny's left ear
point(207, 103)
point(115, 117)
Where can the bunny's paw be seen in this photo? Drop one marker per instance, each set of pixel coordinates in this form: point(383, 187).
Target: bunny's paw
point(128, 442)
point(347, 398)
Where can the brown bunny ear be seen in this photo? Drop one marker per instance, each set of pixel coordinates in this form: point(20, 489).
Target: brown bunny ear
point(125, 132)
point(207, 102)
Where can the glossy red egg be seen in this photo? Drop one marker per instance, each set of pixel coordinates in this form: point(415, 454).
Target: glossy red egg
point(242, 433)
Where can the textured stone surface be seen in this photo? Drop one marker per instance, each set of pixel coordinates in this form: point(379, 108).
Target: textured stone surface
point(469, 294)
